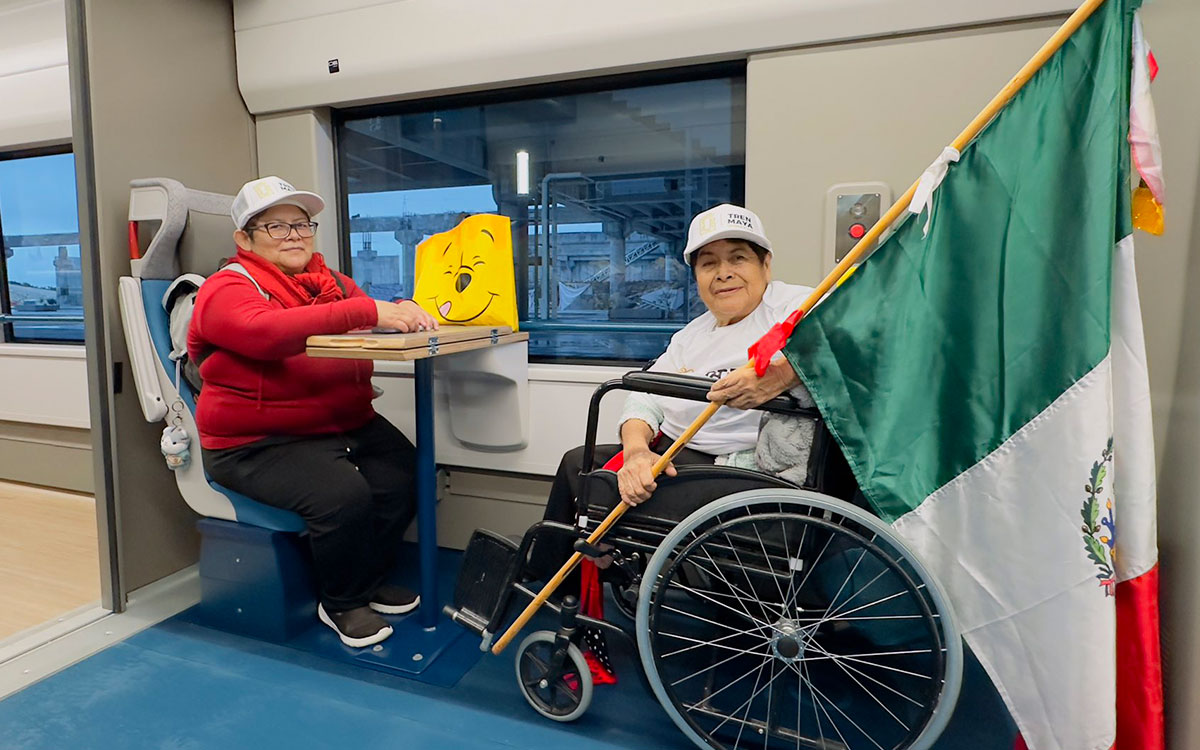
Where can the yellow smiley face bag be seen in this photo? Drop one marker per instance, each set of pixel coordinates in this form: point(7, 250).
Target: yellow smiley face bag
point(465, 276)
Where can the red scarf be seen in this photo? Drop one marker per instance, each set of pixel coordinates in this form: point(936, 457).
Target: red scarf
point(315, 285)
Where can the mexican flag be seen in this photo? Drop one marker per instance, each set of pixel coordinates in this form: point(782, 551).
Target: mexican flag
point(987, 382)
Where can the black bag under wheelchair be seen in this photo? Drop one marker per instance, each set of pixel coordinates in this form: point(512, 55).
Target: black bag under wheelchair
point(765, 613)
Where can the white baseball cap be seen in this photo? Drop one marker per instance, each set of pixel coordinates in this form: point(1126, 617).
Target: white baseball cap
point(258, 195)
point(724, 222)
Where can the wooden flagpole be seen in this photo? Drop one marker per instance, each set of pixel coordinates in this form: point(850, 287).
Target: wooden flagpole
point(1076, 19)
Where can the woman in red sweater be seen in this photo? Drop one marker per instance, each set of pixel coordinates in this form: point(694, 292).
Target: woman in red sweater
point(296, 432)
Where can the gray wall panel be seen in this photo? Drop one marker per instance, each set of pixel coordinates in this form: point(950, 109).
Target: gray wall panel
point(164, 102)
point(46, 455)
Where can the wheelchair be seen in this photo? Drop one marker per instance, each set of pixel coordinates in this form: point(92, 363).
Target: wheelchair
point(765, 613)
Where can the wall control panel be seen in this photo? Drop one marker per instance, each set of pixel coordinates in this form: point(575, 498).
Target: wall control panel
point(851, 209)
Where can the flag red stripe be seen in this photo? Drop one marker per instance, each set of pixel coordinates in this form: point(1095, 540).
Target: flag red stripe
point(1139, 665)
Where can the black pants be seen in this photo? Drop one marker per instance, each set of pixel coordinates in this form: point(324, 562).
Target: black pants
point(355, 490)
point(551, 551)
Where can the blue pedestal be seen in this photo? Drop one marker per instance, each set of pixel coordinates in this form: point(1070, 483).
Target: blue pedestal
point(257, 583)
point(254, 581)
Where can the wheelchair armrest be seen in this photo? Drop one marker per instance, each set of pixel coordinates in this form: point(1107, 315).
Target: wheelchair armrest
point(696, 388)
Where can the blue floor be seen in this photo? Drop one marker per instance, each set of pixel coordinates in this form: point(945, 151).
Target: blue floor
point(179, 686)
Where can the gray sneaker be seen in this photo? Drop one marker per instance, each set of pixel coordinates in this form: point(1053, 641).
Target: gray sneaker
point(358, 627)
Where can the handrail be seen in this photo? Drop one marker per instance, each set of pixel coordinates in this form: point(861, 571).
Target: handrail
point(35, 318)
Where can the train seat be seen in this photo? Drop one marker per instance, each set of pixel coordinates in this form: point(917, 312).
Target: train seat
point(255, 578)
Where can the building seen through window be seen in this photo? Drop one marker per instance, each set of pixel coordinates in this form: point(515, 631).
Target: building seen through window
point(599, 184)
point(41, 283)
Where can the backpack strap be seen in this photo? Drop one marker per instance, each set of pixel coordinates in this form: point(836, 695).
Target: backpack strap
point(194, 364)
point(239, 268)
point(337, 277)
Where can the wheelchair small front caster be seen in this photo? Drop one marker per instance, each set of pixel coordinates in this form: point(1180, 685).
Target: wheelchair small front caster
point(555, 680)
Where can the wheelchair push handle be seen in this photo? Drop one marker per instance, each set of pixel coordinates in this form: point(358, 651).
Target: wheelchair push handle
point(674, 385)
point(696, 388)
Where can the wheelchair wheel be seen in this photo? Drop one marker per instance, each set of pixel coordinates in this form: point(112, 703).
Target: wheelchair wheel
point(780, 618)
point(559, 689)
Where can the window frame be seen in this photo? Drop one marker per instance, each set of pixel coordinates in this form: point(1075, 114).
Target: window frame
point(7, 331)
point(605, 82)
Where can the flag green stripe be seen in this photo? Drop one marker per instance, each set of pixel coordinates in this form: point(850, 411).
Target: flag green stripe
point(939, 348)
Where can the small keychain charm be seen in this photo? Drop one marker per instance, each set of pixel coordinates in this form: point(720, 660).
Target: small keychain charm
point(175, 443)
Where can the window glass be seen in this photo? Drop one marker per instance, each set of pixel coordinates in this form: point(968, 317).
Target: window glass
point(41, 261)
point(599, 184)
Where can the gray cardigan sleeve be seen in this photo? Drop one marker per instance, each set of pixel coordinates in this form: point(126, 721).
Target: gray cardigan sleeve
point(643, 406)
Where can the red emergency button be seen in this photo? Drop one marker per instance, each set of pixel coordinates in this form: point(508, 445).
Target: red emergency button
point(857, 231)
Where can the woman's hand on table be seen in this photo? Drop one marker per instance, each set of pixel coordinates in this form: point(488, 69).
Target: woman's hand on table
point(406, 316)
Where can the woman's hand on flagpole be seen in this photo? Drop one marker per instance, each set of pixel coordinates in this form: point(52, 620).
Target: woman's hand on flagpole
point(742, 389)
point(635, 480)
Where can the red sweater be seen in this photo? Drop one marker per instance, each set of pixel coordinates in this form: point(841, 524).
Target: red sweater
point(258, 381)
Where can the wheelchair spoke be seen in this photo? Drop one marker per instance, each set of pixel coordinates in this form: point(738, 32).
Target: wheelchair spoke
point(813, 566)
point(799, 706)
point(705, 596)
point(787, 550)
point(863, 619)
point(721, 646)
point(748, 701)
point(744, 596)
point(730, 684)
point(874, 697)
point(767, 557)
point(794, 593)
point(829, 655)
point(864, 675)
point(845, 716)
point(724, 661)
point(770, 702)
point(816, 699)
point(738, 593)
point(861, 555)
point(736, 633)
point(746, 716)
point(543, 668)
point(830, 617)
point(877, 665)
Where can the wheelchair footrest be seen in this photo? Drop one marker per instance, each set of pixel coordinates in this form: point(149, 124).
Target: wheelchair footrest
point(488, 566)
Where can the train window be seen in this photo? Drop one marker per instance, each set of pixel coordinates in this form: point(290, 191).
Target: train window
point(41, 286)
point(599, 178)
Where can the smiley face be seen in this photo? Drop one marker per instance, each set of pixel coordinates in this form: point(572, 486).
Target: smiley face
point(465, 275)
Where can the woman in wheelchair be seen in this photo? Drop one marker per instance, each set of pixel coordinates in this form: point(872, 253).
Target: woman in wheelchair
point(730, 257)
point(300, 433)
point(766, 611)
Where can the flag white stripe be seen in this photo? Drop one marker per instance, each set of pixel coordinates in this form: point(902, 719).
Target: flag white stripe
point(1005, 538)
point(1135, 485)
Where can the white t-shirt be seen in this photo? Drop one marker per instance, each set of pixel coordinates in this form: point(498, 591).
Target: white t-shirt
point(704, 349)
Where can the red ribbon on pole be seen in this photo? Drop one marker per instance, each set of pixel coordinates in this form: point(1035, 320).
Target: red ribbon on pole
point(765, 349)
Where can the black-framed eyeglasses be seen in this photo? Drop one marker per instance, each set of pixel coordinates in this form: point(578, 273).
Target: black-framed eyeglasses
point(282, 230)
